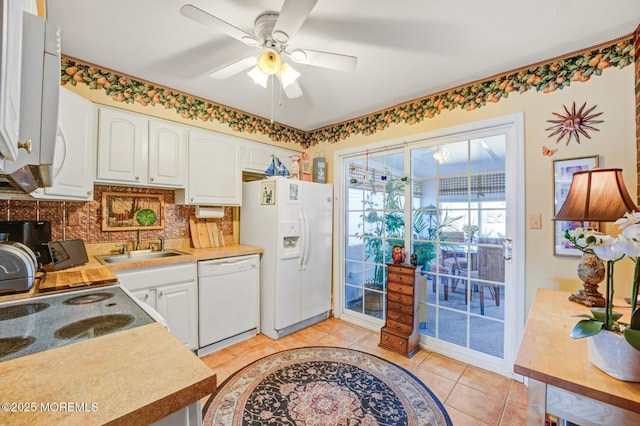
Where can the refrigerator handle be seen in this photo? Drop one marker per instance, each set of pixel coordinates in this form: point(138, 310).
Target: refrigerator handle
point(307, 240)
point(304, 238)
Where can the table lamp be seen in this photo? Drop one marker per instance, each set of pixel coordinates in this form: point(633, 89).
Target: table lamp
point(597, 195)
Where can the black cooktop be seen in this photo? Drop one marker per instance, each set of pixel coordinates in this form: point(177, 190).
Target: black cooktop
point(47, 322)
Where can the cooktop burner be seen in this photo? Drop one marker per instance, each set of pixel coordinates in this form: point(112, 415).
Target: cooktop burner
point(94, 326)
point(17, 311)
point(47, 322)
point(88, 298)
point(11, 345)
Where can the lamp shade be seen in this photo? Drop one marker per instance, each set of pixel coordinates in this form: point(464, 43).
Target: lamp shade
point(269, 62)
point(598, 195)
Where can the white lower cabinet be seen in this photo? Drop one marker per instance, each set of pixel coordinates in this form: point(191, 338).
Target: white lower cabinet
point(191, 415)
point(171, 290)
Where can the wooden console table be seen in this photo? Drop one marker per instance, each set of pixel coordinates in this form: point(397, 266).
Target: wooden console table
point(562, 382)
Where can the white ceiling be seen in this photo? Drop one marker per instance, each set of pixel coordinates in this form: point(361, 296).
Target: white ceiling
point(406, 49)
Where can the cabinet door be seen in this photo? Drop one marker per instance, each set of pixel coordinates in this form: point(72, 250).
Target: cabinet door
point(122, 147)
point(10, 72)
point(215, 169)
point(147, 296)
point(167, 154)
point(74, 160)
point(178, 304)
point(257, 156)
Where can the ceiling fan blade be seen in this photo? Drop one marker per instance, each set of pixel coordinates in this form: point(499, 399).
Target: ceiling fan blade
point(234, 68)
point(218, 24)
point(293, 90)
point(292, 16)
point(317, 58)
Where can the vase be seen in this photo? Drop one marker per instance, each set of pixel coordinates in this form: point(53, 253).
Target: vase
point(611, 353)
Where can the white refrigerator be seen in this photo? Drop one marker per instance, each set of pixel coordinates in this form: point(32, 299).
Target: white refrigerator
point(292, 221)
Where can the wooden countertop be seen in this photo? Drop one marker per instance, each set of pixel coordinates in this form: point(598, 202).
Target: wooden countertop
point(549, 355)
point(135, 376)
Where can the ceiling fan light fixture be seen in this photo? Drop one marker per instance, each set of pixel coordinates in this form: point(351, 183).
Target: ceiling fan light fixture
point(269, 62)
point(258, 76)
point(287, 75)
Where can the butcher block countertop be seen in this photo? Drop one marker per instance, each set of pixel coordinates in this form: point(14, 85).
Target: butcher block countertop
point(547, 353)
point(136, 376)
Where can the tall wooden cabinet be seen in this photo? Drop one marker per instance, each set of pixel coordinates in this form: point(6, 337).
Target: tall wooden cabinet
point(400, 332)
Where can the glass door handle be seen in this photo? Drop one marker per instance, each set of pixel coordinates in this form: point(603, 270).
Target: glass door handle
point(507, 245)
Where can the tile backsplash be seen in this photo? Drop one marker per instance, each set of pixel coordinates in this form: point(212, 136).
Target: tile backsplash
point(77, 219)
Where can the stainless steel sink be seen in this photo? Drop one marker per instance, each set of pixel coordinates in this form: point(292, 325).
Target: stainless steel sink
point(138, 255)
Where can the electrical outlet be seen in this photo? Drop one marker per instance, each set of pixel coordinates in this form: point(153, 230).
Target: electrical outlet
point(535, 220)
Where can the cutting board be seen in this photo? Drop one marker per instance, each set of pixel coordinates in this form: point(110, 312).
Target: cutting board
point(66, 279)
point(205, 233)
point(193, 229)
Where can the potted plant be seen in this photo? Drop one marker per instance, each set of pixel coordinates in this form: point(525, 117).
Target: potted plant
point(616, 350)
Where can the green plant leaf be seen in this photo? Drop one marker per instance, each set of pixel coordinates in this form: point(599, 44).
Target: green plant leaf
point(583, 316)
point(598, 314)
point(635, 320)
point(632, 337)
point(586, 328)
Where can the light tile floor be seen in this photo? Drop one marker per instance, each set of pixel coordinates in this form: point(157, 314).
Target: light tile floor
point(472, 396)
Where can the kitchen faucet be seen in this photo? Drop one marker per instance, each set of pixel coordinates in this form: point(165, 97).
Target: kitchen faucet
point(138, 240)
point(159, 244)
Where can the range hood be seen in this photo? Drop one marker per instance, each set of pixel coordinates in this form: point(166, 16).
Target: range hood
point(40, 91)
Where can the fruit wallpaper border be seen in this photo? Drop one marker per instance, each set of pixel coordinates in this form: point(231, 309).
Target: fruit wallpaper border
point(554, 74)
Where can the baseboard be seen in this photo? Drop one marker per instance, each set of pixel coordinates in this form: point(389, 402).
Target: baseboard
point(214, 347)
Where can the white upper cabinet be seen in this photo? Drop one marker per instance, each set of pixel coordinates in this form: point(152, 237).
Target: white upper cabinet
point(74, 160)
point(167, 153)
point(134, 149)
point(257, 156)
point(215, 170)
point(10, 73)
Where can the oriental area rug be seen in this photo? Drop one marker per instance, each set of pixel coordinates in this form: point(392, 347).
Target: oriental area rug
point(323, 386)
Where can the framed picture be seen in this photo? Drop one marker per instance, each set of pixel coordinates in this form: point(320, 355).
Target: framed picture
point(124, 212)
point(563, 171)
point(268, 192)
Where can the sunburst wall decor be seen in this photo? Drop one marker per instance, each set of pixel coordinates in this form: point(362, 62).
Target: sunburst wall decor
point(574, 124)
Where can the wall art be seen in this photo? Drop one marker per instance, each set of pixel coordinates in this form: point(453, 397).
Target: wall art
point(124, 212)
point(563, 171)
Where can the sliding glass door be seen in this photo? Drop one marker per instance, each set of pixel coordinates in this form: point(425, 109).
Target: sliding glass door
point(459, 217)
point(454, 201)
point(374, 222)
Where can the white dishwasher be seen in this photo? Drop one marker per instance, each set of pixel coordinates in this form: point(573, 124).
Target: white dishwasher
point(229, 301)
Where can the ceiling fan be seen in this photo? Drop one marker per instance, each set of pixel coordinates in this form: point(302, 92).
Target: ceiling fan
point(273, 32)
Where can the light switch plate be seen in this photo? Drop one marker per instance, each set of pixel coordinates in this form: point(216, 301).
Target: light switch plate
point(535, 220)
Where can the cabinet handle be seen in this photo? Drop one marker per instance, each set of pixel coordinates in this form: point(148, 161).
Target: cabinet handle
point(397, 325)
point(151, 179)
point(161, 294)
point(146, 296)
point(25, 145)
point(89, 192)
point(137, 177)
point(386, 337)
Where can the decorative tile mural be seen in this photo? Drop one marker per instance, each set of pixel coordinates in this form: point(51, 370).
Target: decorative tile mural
point(75, 219)
point(546, 77)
